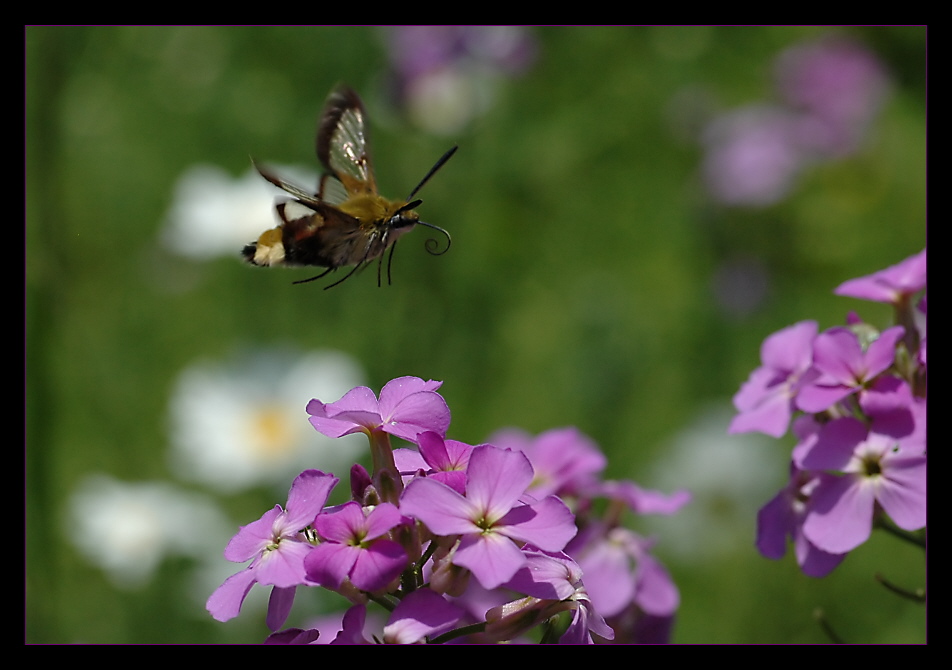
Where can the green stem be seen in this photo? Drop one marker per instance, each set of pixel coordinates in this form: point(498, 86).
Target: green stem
point(820, 616)
point(916, 538)
point(459, 632)
point(918, 596)
point(386, 478)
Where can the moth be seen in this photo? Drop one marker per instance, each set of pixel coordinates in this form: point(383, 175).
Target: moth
point(346, 222)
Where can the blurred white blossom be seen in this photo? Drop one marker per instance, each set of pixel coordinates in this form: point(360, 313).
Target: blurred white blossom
point(729, 476)
point(243, 423)
point(128, 528)
point(214, 214)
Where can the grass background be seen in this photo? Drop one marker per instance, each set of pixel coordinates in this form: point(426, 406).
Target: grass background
point(579, 290)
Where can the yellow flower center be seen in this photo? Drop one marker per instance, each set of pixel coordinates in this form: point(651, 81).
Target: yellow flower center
point(271, 431)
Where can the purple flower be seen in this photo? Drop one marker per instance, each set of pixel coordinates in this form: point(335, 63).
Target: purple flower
point(839, 85)
point(753, 155)
point(782, 518)
point(877, 473)
point(564, 460)
point(355, 546)
point(643, 501)
point(843, 367)
point(407, 407)
point(765, 400)
point(489, 518)
point(442, 460)
point(352, 626)
point(421, 614)
point(891, 285)
point(294, 636)
point(277, 547)
point(553, 582)
point(619, 571)
point(445, 76)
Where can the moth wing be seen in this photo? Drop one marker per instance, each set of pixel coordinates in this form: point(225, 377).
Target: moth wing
point(342, 142)
point(298, 192)
point(331, 190)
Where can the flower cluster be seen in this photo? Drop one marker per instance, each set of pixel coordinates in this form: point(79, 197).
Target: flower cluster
point(480, 543)
point(443, 77)
point(829, 90)
point(855, 399)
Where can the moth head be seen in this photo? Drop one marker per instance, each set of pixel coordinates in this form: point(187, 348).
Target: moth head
point(405, 218)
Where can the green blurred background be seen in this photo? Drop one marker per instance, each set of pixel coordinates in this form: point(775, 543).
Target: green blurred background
point(591, 282)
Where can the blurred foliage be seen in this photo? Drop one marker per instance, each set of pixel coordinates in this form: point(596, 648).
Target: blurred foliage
point(579, 288)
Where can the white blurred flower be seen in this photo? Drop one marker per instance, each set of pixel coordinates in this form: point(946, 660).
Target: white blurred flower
point(214, 214)
point(730, 477)
point(243, 423)
point(128, 528)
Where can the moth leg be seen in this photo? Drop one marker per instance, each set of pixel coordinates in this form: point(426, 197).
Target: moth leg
point(389, 264)
point(346, 276)
point(323, 274)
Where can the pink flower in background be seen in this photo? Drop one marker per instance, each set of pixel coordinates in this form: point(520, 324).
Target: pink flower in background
point(443, 77)
point(752, 155)
point(839, 84)
point(831, 91)
point(564, 460)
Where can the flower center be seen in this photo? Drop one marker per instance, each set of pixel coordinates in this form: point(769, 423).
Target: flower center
point(271, 431)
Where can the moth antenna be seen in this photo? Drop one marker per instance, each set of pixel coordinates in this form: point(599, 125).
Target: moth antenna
point(433, 244)
point(433, 170)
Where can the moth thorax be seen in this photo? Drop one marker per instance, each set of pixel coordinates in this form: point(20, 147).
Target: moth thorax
point(269, 249)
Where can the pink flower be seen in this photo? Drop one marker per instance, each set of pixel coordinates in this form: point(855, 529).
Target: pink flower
point(891, 285)
point(407, 407)
point(277, 547)
point(877, 472)
point(564, 460)
point(782, 518)
point(421, 614)
point(489, 518)
point(356, 547)
point(765, 400)
point(844, 368)
point(442, 460)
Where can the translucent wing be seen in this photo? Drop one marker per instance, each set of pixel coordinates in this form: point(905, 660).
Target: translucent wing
point(342, 142)
point(331, 190)
point(297, 191)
